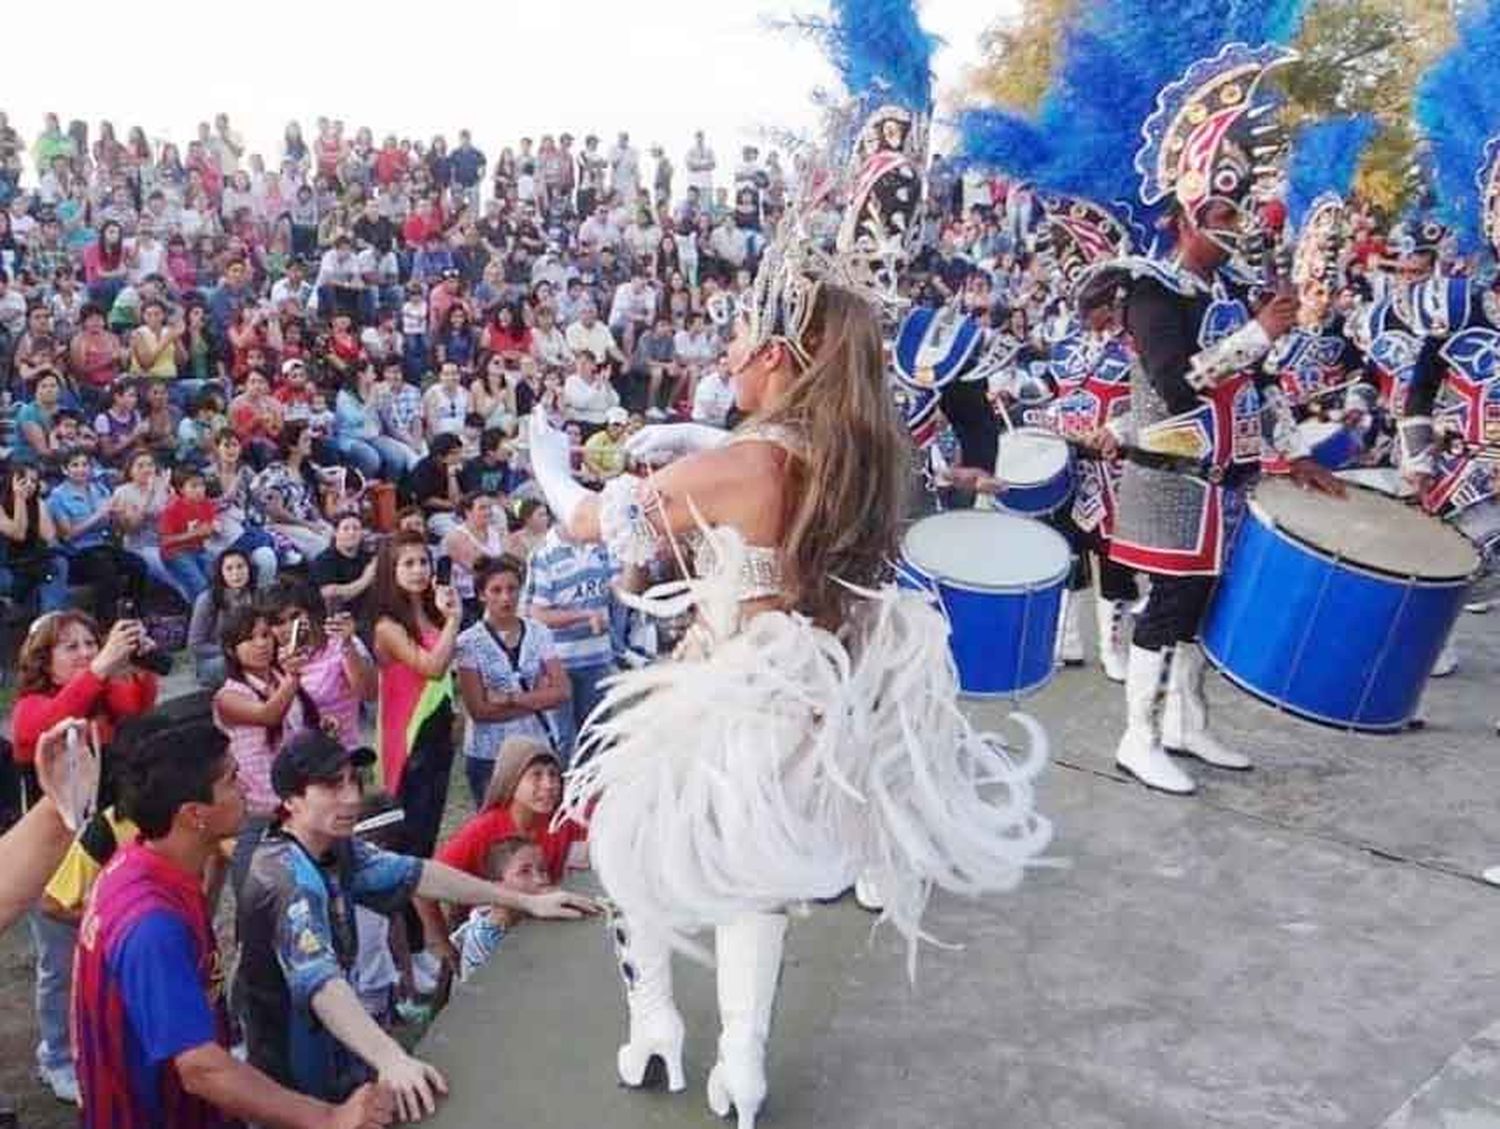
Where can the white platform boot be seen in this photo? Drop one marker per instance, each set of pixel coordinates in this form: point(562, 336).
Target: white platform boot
point(1140, 752)
point(1113, 650)
point(748, 954)
point(1069, 638)
point(655, 1026)
point(1184, 718)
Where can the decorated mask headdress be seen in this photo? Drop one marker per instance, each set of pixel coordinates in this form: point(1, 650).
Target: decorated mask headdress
point(1214, 137)
point(1325, 155)
point(1077, 234)
point(1113, 58)
point(885, 59)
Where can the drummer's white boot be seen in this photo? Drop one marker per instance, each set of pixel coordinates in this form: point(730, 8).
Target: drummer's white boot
point(1113, 652)
point(867, 894)
point(748, 954)
point(1069, 638)
point(1447, 660)
point(1140, 752)
point(655, 1026)
point(1184, 718)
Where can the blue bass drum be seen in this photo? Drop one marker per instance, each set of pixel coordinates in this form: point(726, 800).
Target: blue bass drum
point(1000, 581)
point(1335, 609)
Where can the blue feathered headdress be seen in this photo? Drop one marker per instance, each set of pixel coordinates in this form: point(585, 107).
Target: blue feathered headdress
point(1325, 155)
point(1113, 58)
point(880, 49)
point(1458, 110)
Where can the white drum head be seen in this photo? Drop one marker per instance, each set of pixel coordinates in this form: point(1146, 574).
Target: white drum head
point(1030, 455)
point(987, 551)
point(1385, 479)
point(1367, 529)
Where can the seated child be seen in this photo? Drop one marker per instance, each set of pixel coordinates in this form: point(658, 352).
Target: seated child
point(515, 863)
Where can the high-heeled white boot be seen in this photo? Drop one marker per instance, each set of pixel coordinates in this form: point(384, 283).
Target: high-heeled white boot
point(1113, 651)
point(655, 1025)
point(748, 954)
point(1140, 752)
point(1447, 661)
point(1184, 718)
point(1069, 638)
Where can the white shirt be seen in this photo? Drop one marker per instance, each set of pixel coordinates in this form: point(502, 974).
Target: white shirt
point(713, 399)
point(445, 413)
point(338, 268)
point(589, 401)
point(598, 340)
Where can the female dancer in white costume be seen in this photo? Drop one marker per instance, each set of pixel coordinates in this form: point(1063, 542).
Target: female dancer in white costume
point(807, 733)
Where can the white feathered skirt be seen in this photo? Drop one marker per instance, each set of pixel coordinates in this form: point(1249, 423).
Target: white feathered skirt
point(785, 761)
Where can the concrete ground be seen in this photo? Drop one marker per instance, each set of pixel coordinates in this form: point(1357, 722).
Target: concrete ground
point(1305, 945)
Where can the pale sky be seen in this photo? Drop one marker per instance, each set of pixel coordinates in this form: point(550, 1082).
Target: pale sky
point(659, 70)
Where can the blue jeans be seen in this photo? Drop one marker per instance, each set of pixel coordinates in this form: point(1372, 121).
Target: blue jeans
point(191, 571)
point(53, 942)
point(570, 716)
point(47, 577)
point(478, 773)
point(360, 454)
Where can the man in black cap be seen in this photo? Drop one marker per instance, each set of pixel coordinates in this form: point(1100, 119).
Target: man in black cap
point(304, 1023)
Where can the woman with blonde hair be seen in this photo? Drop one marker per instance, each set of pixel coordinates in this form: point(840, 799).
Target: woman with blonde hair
point(814, 733)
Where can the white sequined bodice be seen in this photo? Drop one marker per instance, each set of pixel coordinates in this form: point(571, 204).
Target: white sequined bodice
point(760, 571)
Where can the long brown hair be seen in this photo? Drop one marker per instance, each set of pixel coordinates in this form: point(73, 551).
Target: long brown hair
point(388, 599)
point(34, 664)
point(842, 503)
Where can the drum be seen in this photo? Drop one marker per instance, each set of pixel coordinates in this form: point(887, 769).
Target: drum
point(1037, 470)
point(1386, 480)
point(1000, 581)
point(1335, 609)
point(1331, 444)
point(1480, 526)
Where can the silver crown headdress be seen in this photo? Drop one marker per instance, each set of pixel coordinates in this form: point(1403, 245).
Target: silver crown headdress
point(880, 191)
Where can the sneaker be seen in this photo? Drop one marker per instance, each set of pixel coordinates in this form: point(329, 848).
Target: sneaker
point(1491, 874)
point(1479, 607)
point(62, 1081)
point(655, 415)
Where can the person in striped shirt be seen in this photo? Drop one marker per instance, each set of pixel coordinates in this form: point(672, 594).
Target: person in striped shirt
point(568, 588)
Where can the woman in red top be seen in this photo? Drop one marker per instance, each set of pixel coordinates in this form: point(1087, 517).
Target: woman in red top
point(524, 791)
point(105, 264)
point(508, 335)
point(65, 672)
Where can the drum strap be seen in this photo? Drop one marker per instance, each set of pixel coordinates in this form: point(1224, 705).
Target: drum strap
point(1155, 460)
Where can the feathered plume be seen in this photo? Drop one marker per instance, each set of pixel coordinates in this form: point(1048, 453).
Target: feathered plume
point(877, 45)
point(1458, 110)
point(1325, 155)
point(1114, 57)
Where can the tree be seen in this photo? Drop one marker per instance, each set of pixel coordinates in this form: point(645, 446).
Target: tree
point(1365, 56)
point(1018, 52)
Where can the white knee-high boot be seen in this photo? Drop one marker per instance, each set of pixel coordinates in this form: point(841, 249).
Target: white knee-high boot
point(1113, 651)
point(1069, 638)
point(1184, 719)
point(748, 954)
point(655, 1026)
point(1140, 752)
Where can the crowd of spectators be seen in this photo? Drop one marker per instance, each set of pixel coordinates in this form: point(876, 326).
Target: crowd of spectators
point(282, 400)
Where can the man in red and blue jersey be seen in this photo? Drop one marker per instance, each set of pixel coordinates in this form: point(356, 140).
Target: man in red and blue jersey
point(149, 1024)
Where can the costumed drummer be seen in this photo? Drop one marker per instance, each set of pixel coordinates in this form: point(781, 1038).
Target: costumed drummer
point(1200, 402)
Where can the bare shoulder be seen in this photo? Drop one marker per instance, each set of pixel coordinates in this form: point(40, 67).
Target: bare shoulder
point(740, 484)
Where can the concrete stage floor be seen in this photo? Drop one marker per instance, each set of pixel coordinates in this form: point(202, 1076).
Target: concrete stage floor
point(1305, 945)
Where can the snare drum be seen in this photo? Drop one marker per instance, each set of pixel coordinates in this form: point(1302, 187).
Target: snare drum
point(1037, 470)
point(1480, 526)
point(1000, 581)
point(1335, 609)
point(1331, 444)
